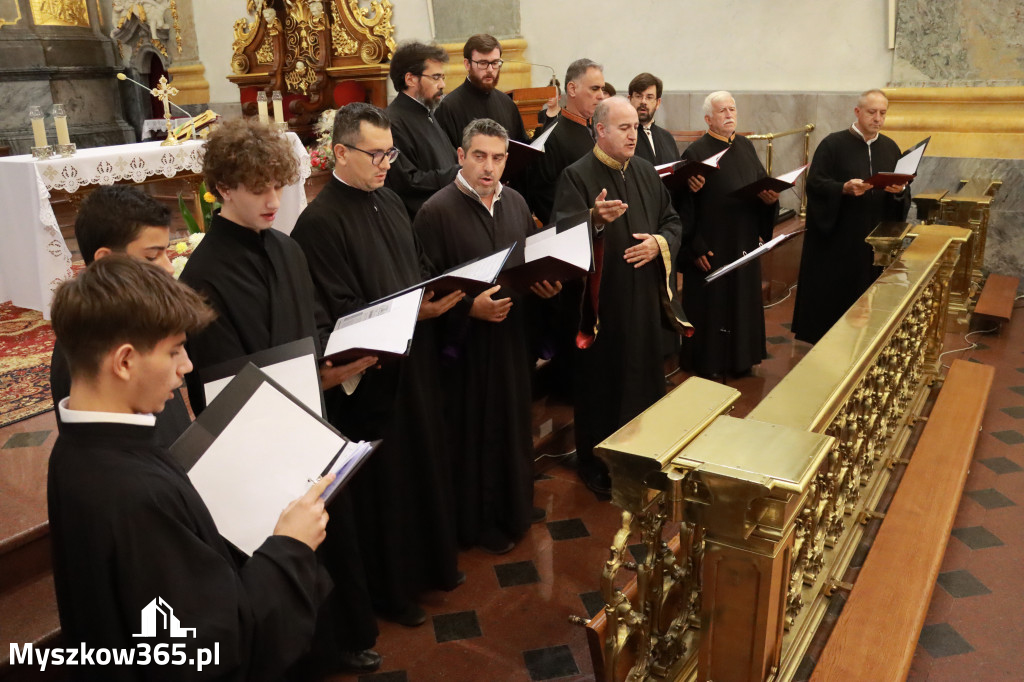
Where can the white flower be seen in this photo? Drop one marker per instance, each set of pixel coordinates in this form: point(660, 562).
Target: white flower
point(179, 265)
point(195, 238)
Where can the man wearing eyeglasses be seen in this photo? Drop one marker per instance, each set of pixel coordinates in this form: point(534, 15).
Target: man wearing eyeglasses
point(359, 246)
point(428, 161)
point(478, 96)
point(653, 143)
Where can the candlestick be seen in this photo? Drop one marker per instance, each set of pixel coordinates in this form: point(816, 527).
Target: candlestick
point(60, 122)
point(278, 107)
point(35, 114)
point(261, 102)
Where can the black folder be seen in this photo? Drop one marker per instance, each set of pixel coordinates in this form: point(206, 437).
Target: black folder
point(404, 309)
point(520, 157)
point(446, 283)
point(778, 184)
point(550, 268)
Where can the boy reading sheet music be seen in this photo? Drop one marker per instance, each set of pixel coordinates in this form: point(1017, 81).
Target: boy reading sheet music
point(128, 527)
point(257, 281)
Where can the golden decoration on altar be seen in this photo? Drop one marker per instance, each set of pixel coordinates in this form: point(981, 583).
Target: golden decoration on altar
point(60, 13)
point(164, 92)
point(265, 53)
point(302, 26)
point(10, 13)
point(377, 28)
point(344, 44)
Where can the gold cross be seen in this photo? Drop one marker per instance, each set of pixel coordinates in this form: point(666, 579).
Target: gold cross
point(164, 92)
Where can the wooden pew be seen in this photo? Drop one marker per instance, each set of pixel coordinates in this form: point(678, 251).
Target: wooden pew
point(877, 632)
point(996, 299)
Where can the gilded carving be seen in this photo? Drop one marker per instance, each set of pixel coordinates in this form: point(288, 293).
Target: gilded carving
point(60, 12)
point(344, 44)
point(378, 28)
point(302, 29)
point(265, 54)
point(10, 12)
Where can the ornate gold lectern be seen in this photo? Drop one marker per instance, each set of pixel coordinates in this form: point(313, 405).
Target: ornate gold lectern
point(769, 508)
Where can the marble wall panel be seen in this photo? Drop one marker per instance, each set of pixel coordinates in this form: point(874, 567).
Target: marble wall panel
point(17, 97)
point(88, 100)
point(1004, 247)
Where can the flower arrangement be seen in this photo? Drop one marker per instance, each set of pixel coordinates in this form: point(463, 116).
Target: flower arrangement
point(207, 203)
point(182, 249)
point(321, 156)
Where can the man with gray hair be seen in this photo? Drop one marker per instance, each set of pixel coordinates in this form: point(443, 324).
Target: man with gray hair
point(627, 299)
point(837, 266)
point(727, 316)
point(573, 136)
point(486, 376)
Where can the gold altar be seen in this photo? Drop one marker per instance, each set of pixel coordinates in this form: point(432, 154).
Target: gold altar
point(769, 508)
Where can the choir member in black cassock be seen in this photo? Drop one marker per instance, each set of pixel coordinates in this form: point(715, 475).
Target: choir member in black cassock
point(123, 219)
point(257, 280)
point(127, 526)
point(654, 143)
point(486, 367)
point(427, 162)
point(478, 96)
point(359, 243)
point(836, 266)
point(727, 314)
point(619, 370)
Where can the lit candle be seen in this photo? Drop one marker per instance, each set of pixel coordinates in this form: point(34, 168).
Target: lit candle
point(261, 102)
point(278, 107)
point(60, 122)
point(35, 114)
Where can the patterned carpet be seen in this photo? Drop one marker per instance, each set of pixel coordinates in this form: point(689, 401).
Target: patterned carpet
point(26, 343)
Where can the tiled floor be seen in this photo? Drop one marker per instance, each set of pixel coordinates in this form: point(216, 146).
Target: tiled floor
point(510, 620)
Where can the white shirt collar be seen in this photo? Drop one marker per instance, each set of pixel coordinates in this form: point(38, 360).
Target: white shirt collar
point(69, 416)
point(861, 135)
point(472, 192)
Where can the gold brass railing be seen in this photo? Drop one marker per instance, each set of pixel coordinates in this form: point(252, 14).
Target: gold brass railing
point(770, 507)
point(769, 156)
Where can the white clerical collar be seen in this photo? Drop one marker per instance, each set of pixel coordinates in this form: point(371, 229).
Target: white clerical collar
point(69, 416)
point(468, 189)
point(861, 135)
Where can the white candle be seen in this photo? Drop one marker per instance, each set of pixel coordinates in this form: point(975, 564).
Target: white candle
point(39, 132)
point(61, 123)
point(278, 107)
point(261, 102)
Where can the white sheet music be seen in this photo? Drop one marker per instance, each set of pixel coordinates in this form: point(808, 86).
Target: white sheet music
point(714, 158)
point(756, 253)
point(482, 270)
point(908, 164)
point(571, 245)
point(262, 460)
point(540, 141)
point(347, 460)
point(298, 376)
point(387, 326)
point(791, 176)
point(662, 167)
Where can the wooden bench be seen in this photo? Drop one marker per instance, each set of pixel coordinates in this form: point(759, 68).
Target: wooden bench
point(877, 632)
point(996, 299)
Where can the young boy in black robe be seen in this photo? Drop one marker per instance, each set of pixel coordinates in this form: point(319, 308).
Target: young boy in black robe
point(123, 219)
point(126, 523)
point(359, 243)
point(484, 352)
point(257, 280)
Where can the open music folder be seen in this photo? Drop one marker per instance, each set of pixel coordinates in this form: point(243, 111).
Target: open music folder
point(753, 255)
point(676, 174)
point(561, 252)
point(383, 329)
point(471, 278)
point(779, 184)
point(520, 157)
point(906, 167)
point(293, 365)
point(256, 448)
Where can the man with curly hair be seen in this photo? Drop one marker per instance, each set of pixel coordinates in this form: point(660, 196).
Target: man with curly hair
point(257, 280)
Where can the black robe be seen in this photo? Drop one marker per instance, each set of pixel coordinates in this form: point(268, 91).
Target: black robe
point(127, 526)
point(727, 314)
point(170, 423)
point(258, 282)
point(836, 266)
point(360, 248)
point(468, 102)
point(664, 150)
point(486, 367)
point(428, 161)
point(621, 373)
point(569, 142)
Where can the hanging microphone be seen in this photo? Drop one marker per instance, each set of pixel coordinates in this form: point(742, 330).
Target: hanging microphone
point(191, 118)
point(554, 79)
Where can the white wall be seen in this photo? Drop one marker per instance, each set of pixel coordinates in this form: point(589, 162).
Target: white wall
point(743, 45)
point(749, 45)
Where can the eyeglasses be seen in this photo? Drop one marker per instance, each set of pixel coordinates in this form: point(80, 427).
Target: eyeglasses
point(484, 64)
point(644, 98)
point(376, 158)
point(434, 76)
